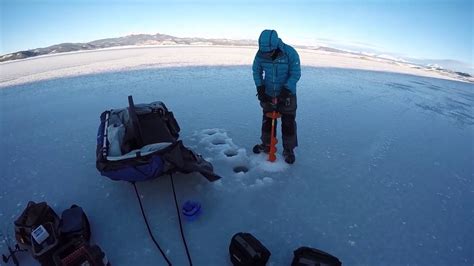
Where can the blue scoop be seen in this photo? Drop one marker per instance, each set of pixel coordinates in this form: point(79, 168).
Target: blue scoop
point(191, 210)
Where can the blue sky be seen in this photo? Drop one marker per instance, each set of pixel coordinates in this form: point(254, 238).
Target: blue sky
point(406, 28)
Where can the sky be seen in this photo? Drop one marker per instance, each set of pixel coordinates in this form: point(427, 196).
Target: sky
point(421, 29)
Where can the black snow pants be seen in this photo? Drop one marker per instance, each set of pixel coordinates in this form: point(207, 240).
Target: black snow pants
point(287, 109)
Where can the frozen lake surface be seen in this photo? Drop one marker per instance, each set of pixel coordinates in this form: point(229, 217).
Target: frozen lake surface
point(383, 174)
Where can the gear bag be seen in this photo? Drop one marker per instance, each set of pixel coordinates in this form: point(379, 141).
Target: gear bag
point(54, 241)
point(246, 250)
point(141, 142)
point(34, 215)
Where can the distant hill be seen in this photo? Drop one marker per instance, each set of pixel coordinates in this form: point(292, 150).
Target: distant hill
point(141, 39)
point(136, 39)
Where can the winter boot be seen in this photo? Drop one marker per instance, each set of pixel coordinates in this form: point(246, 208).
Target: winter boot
point(289, 156)
point(259, 148)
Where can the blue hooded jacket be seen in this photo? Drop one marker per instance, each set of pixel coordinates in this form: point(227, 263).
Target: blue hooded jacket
point(284, 70)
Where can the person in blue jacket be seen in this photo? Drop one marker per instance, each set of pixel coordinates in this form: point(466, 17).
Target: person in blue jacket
point(276, 70)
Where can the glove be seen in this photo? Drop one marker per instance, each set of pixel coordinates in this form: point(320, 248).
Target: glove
point(284, 96)
point(262, 96)
point(284, 93)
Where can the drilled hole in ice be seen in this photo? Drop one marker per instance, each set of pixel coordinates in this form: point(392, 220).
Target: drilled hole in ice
point(230, 153)
point(218, 142)
point(241, 169)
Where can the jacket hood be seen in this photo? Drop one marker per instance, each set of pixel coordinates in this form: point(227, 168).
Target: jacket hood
point(268, 41)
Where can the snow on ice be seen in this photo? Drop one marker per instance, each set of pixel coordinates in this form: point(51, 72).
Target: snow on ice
point(383, 172)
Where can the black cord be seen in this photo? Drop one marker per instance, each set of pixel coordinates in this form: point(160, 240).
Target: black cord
point(180, 224)
point(148, 226)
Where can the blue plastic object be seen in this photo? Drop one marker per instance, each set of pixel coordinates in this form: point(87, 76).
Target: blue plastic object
point(191, 210)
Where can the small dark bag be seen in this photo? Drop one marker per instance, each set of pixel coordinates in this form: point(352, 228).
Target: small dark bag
point(246, 250)
point(74, 224)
